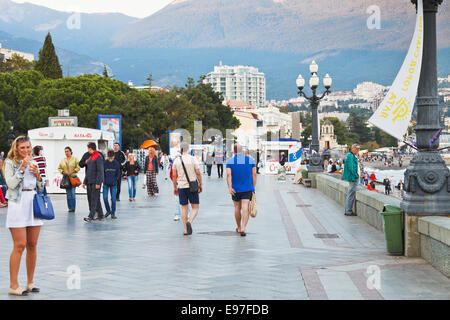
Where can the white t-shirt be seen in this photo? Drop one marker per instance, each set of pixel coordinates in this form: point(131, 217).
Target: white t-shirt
point(191, 164)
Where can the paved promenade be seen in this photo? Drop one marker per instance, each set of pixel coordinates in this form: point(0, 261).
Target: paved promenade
point(300, 246)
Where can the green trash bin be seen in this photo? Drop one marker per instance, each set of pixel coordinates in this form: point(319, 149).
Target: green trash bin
point(393, 229)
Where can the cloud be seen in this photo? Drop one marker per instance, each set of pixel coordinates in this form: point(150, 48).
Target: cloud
point(48, 26)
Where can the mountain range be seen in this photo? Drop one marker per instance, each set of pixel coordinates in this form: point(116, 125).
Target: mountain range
point(188, 37)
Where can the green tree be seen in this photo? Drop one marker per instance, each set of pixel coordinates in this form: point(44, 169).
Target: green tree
point(383, 139)
point(358, 132)
point(16, 63)
point(149, 82)
point(48, 63)
point(284, 109)
point(370, 146)
point(105, 71)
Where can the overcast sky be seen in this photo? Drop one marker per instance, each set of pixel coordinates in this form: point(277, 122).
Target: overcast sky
point(134, 8)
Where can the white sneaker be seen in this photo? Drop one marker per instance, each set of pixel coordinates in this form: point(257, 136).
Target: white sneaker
point(176, 218)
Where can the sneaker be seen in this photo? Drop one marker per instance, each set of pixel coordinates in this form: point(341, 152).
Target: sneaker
point(176, 218)
point(99, 219)
point(113, 216)
point(107, 214)
point(117, 199)
point(88, 219)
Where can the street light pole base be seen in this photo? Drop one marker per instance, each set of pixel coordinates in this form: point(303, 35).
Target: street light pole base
point(315, 164)
point(427, 186)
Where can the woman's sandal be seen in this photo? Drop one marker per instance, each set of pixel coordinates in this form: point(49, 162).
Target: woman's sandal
point(32, 288)
point(18, 292)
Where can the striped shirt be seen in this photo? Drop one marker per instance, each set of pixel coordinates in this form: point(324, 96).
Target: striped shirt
point(41, 165)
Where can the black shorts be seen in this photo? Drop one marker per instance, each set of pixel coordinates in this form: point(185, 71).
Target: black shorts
point(238, 196)
point(186, 196)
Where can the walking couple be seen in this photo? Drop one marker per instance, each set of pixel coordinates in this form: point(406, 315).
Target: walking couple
point(187, 182)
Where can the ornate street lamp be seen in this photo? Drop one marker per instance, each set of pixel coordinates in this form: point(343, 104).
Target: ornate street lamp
point(427, 179)
point(315, 160)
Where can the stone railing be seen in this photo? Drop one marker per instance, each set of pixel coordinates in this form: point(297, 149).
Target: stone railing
point(435, 242)
point(428, 237)
point(368, 204)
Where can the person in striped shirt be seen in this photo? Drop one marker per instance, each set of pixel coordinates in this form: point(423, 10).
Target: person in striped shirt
point(40, 160)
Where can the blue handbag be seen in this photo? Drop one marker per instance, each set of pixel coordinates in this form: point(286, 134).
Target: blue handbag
point(42, 206)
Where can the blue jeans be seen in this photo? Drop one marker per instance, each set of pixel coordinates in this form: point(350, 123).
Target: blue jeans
point(353, 186)
point(71, 198)
point(113, 191)
point(178, 209)
point(132, 182)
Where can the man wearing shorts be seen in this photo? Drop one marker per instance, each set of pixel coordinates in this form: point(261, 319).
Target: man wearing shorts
point(181, 185)
point(241, 179)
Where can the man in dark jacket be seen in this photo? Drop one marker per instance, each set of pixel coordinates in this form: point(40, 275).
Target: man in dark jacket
point(112, 175)
point(93, 181)
point(120, 157)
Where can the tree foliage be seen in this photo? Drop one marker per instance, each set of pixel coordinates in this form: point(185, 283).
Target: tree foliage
point(16, 63)
point(27, 99)
point(48, 63)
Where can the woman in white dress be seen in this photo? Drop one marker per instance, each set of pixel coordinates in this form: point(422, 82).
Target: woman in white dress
point(23, 178)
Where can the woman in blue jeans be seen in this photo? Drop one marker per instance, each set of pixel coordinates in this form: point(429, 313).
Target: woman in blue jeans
point(70, 166)
point(132, 173)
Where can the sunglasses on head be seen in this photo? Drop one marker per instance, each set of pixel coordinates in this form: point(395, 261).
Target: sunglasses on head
point(23, 139)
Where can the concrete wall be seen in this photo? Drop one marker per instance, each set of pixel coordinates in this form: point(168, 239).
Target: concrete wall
point(368, 204)
point(435, 242)
point(428, 237)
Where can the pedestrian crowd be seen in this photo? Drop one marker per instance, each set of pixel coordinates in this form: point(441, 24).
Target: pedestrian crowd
point(23, 177)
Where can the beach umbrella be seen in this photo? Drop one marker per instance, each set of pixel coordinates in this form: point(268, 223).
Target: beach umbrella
point(149, 143)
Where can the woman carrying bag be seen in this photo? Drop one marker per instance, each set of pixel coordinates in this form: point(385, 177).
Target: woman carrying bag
point(69, 167)
point(23, 179)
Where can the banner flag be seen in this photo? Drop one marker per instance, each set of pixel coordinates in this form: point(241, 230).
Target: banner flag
point(394, 113)
point(295, 155)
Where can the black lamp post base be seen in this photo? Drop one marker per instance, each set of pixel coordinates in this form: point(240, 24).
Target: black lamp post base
point(427, 186)
point(315, 164)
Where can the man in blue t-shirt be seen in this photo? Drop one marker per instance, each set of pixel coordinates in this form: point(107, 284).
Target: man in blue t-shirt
point(241, 179)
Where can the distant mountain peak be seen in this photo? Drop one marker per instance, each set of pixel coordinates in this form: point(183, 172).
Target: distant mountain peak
point(175, 2)
point(279, 25)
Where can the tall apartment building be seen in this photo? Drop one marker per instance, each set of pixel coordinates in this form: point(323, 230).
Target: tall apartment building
point(8, 53)
point(239, 83)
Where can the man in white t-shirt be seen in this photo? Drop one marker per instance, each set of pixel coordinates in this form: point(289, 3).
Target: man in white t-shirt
point(181, 185)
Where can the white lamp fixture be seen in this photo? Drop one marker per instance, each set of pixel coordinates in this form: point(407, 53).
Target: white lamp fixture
point(300, 82)
point(313, 68)
point(327, 81)
point(314, 81)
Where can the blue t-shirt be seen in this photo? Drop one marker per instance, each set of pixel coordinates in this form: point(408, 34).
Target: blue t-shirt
point(241, 172)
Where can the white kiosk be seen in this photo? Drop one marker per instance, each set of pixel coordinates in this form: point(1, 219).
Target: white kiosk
point(271, 152)
point(55, 139)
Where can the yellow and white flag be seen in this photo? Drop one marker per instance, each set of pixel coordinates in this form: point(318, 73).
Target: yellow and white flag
point(394, 113)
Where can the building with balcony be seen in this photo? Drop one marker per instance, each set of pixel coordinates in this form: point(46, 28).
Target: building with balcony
point(239, 83)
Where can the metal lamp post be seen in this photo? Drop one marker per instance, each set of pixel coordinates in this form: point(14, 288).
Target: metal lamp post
point(315, 161)
point(427, 179)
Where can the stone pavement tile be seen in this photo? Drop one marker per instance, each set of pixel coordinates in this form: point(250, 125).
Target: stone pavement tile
point(143, 254)
point(338, 285)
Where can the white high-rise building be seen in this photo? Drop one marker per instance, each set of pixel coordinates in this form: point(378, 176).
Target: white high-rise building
point(239, 83)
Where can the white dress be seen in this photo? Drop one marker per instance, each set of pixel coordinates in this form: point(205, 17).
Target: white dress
point(20, 213)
